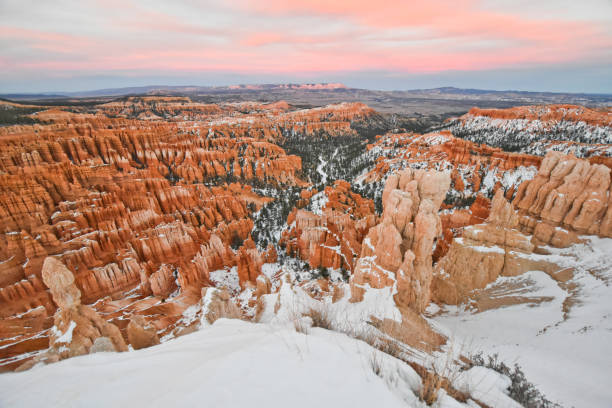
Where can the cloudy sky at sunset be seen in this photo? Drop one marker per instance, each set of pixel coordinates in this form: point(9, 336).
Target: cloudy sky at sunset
point(61, 45)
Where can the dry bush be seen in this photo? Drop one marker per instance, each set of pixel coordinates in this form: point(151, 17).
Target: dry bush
point(375, 364)
point(260, 307)
point(432, 382)
point(320, 317)
point(299, 324)
point(520, 390)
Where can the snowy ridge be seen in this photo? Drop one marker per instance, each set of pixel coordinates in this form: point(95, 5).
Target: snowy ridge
point(532, 136)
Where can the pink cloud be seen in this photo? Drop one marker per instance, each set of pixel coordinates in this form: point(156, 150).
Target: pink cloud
point(442, 17)
point(303, 36)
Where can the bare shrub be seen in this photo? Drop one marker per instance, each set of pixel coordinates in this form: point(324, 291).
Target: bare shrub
point(300, 326)
point(375, 364)
point(520, 390)
point(320, 317)
point(432, 382)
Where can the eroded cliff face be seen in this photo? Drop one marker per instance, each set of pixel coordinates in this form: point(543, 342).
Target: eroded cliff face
point(140, 200)
point(475, 168)
point(78, 329)
point(477, 172)
point(398, 251)
point(141, 212)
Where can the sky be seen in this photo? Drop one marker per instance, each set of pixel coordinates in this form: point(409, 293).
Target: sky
point(543, 45)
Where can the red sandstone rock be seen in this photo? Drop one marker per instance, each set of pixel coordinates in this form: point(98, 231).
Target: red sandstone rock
point(333, 238)
point(76, 327)
point(140, 334)
point(549, 113)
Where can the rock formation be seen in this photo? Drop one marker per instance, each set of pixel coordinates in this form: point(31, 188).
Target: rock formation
point(333, 237)
point(567, 197)
point(76, 327)
point(142, 196)
point(485, 252)
point(140, 334)
point(470, 163)
point(217, 304)
point(399, 249)
point(454, 219)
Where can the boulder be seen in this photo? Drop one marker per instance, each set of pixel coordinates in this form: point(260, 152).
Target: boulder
point(140, 334)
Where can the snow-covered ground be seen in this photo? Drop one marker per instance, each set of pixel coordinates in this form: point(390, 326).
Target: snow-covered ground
point(229, 364)
point(323, 164)
point(568, 356)
point(234, 363)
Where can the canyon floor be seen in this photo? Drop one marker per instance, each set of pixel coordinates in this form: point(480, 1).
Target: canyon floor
point(165, 250)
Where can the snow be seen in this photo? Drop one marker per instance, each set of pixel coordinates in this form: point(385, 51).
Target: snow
point(318, 202)
point(226, 278)
point(481, 248)
point(513, 178)
point(529, 136)
point(566, 355)
point(322, 164)
point(65, 337)
point(488, 182)
point(229, 364)
point(487, 386)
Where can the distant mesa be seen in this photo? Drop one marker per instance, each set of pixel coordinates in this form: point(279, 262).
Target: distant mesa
point(316, 86)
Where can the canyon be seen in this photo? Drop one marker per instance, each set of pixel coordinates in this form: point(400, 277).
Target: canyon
point(133, 223)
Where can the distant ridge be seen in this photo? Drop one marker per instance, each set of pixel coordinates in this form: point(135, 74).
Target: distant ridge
point(323, 87)
point(442, 100)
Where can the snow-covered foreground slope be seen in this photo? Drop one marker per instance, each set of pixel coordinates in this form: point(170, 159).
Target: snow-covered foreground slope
point(234, 363)
point(230, 364)
point(561, 335)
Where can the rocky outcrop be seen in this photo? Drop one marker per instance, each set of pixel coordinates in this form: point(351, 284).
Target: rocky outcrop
point(76, 327)
point(476, 169)
point(331, 237)
point(477, 172)
point(140, 334)
point(483, 253)
point(567, 197)
point(217, 304)
point(548, 114)
point(454, 219)
point(249, 263)
point(398, 251)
